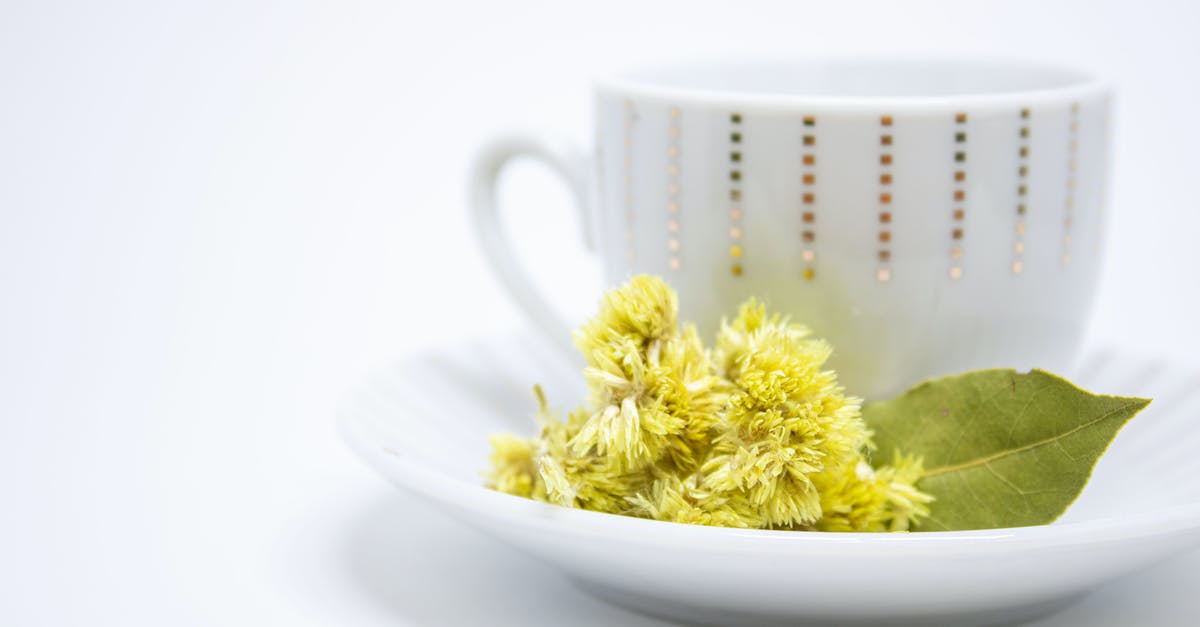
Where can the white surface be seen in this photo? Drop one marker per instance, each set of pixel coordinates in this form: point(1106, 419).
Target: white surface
point(215, 217)
point(1126, 519)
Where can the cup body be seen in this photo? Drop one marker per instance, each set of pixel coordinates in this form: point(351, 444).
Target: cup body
point(925, 218)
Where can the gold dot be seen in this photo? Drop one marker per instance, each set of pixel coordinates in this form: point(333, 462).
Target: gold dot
point(808, 236)
point(809, 159)
point(1024, 151)
point(735, 137)
point(1022, 190)
point(960, 137)
point(956, 252)
point(736, 269)
point(884, 275)
point(735, 251)
point(735, 194)
point(1021, 209)
point(961, 118)
point(735, 233)
point(1024, 131)
point(1019, 248)
point(809, 120)
point(735, 156)
point(673, 151)
point(955, 273)
point(736, 118)
point(960, 176)
point(885, 159)
point(886, 120)
point(885, 178)
point(957, 234)
point(960, 195)
point(808, 217)
point(673, 245)
point(673, 207)
point(674, 263)
point(735, 175)
point(673, 226)
point(960, 156)
point(809, 140)
point(959, 214)
point(675, 112)
point(809, 179)
point(808, 255)
point(809, 274)
point(735, 213)
point(1024, 113)
point(1017, 267)
point(885, 140)
point(885, 255)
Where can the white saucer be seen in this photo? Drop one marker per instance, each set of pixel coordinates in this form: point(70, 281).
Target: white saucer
point(424, 424)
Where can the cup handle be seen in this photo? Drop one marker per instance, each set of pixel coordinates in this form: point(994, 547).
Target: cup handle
point(564, 158)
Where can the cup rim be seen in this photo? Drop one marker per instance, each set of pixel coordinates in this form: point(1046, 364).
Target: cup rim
point(646, 83)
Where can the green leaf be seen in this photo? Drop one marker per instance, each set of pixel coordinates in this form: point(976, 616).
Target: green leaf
point(1001, 449)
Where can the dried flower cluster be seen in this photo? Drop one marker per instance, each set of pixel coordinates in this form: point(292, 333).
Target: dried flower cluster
point(754, 434)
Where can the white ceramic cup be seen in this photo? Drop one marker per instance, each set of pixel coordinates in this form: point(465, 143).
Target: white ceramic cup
point(924, 217)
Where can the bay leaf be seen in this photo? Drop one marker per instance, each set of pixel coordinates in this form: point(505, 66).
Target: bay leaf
point(1001, 448)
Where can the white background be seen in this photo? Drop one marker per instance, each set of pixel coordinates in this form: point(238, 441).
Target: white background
point(215, 217)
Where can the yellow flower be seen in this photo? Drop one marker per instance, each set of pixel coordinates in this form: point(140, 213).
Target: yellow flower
point(757, 435)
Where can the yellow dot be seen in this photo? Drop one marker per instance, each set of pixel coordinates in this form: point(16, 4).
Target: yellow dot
point(735, 251)
point(736, 269)
point(809, 274)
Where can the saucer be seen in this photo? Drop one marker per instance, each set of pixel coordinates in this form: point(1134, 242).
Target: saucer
point(423, 425)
